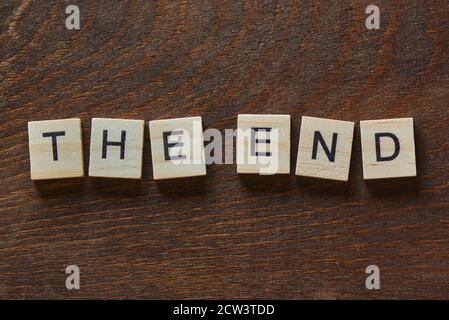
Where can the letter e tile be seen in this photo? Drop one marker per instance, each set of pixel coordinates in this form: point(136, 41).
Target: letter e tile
point(177, 148)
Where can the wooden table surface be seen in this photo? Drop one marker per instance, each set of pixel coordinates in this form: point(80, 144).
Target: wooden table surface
point(225, 236)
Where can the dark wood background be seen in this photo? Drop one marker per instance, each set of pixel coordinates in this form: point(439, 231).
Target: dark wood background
point(225, 236)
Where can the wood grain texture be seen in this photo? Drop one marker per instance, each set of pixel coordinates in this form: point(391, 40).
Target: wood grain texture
point(225, 236)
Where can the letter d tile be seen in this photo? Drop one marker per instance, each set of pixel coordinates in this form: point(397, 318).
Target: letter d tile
point(388, 148)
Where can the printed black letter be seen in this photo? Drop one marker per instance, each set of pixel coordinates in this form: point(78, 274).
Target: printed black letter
point(107, 143)
point(319, 138)
point(168, 145)
point(255, 141)
point(397, 146)
point(53, 136)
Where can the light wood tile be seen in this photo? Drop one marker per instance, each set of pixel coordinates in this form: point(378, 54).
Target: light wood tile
point(177, 148)
point(325, 147)
point(55, 149)
point(388, 148)
point(116, 148)
point(263, 144)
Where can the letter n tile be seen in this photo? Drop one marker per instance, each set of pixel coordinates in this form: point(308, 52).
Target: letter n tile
point(324, 149)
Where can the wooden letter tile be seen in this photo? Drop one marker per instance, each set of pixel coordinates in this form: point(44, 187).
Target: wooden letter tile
point(388, 148)
point(177, 148)
point(263, 144)
point(116, 148)
point(325, 148)
point(55, 149)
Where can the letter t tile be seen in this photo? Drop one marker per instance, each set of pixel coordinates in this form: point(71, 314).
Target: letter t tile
point(55, 149)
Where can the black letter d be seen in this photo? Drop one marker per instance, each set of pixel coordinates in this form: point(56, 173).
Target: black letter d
point(397, 146)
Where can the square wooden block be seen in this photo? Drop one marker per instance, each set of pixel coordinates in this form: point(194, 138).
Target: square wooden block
point(263, 144)
point(177, 148)
point(388, 148)
point(55, 149)
point(325, 147)
point(116, 148)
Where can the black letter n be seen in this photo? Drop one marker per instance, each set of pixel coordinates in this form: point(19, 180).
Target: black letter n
point(168, 145)
point(319, 138)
